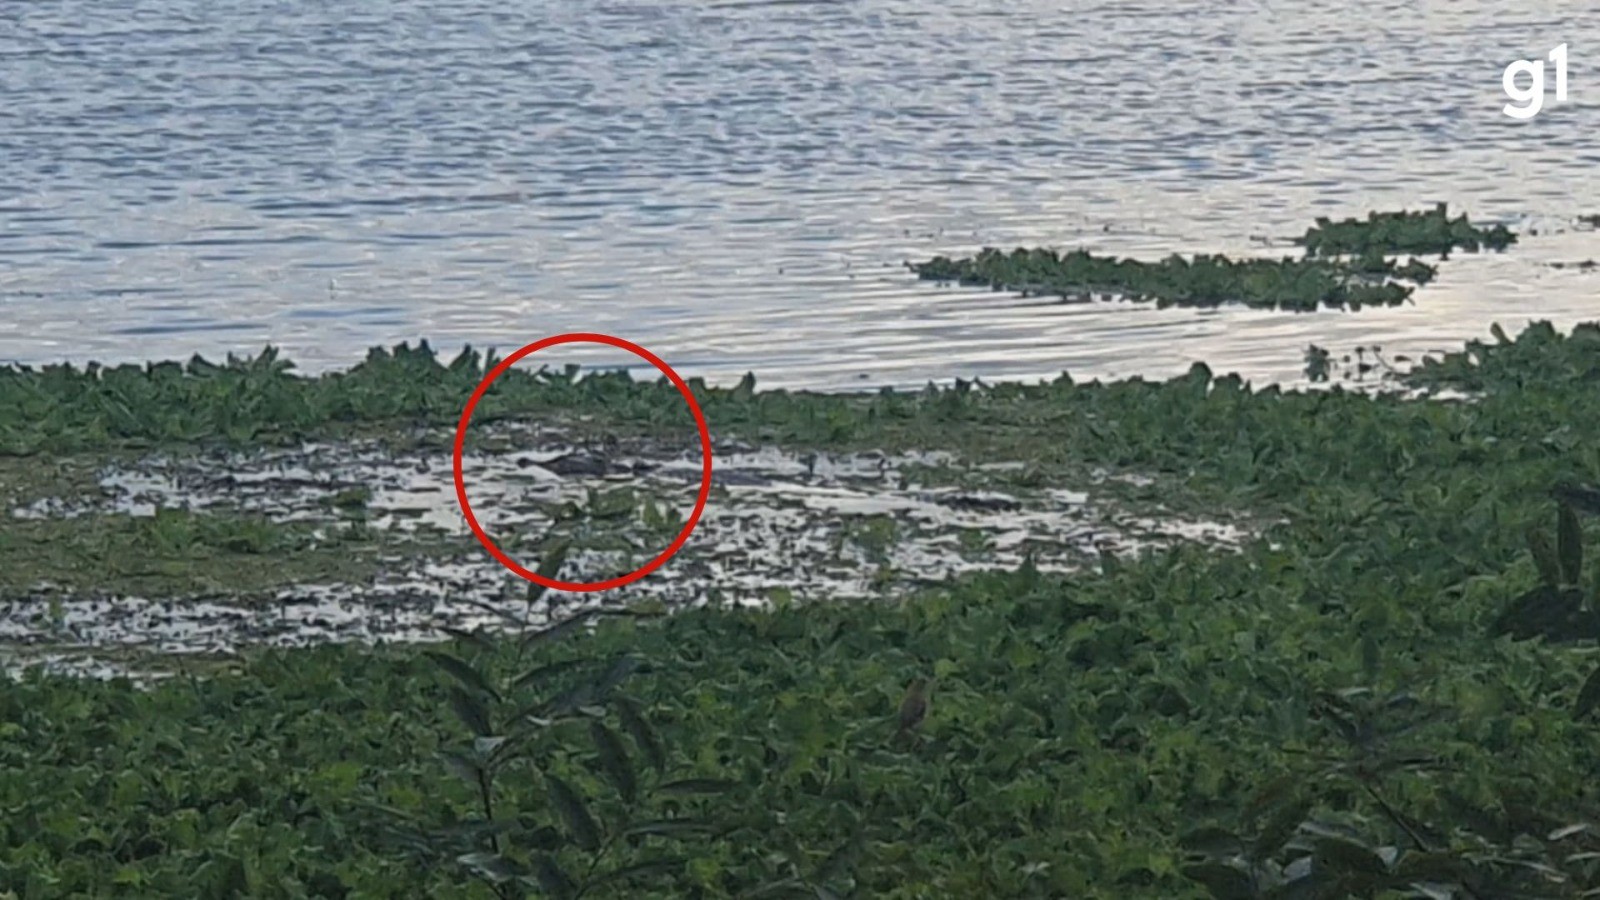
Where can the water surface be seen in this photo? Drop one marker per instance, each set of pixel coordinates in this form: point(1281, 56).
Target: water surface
point(738, 185)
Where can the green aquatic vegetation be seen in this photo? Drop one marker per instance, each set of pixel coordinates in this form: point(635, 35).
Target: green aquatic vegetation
point(411, 391)
point(1364, 363)
point(1290, 840)
point(612, 504)
point(1540, 358)
point(874, 534)
point(661, 519)
point(1082, 723)
point(259, 400)
point(174, 552)
point(62, 408)
point(974, 541)
point(1140, 702)
point(1281, 849)
point(605, 521)
point(25, 482)
point(568, 723)
point(1389, 233)
point(351, 499)
point(1347, 265)
point(1292, 284)
point(1561, 607)
point(1317, 364)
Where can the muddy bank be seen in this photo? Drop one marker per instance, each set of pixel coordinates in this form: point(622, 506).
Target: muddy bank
point(779, 526)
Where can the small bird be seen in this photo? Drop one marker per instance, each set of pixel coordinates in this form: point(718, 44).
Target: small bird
point(914, 708)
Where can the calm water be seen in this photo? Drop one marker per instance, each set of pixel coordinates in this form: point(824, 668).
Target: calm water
point(737, 185)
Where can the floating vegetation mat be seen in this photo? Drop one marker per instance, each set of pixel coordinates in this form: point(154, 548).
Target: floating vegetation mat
point(779, 527)
point(1347, 265)
point(1430, 232)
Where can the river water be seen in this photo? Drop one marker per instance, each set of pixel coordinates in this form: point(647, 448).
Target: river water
point(738, 185)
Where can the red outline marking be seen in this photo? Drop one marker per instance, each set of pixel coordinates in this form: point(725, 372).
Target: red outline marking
point(705, 452)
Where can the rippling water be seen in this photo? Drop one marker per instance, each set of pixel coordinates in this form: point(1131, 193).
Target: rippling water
point(738, 185)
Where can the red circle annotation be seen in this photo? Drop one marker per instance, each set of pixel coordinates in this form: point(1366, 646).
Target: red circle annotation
point(705, 452)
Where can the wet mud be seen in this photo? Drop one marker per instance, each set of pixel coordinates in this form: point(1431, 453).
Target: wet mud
point(778, 525)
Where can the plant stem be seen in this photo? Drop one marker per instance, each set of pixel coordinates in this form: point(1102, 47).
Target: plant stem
point(588, 876)
point(487, 796)
point(1398, 820)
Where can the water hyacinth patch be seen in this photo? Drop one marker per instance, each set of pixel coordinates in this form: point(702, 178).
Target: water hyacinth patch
point(1428, 232)
point(1327, 709)
point(1204, 281)
point(1347, 265)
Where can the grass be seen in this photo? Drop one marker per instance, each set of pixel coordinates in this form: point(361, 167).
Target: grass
point(1340, 675)
point(175, 553)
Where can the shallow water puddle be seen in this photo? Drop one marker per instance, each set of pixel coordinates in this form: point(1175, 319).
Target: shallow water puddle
point(813, 526)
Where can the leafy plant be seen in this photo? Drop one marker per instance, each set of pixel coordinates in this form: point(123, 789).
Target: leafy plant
point(1511, 852)
point(1560, 607)
point(1301, 285)
point(609, 802)
point(1326, 858)
point(1316, 363)
point(1346, 265)
point(1083, 720)
point(1429, 231)
point(1294, 843)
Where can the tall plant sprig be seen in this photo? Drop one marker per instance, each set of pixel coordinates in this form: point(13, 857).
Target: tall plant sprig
point(1561, 608)
point(558, 717)
point(1504, 851)
point(1285, 848)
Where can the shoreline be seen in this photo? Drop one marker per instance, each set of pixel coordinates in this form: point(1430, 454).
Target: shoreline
point(1110, 726)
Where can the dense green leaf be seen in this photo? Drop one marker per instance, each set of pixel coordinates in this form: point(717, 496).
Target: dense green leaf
point(1544, 558)
point(1225, 882)
point(649, 868)
point(491, 867)
point(560, 629)
point(643, 734)
point(574, 812)
point(541, 672)
point(1588, 696)
point(1569, 545)
point(1280, 790)
point(463, 672)
point(617, 673)
point(553, 880)
point(555, 556)
point(1281, 826)
point(1349, 856)
point(614, 760)
point(696, 786)
point(672, 827)
point(470, 709)
point(1211, 840)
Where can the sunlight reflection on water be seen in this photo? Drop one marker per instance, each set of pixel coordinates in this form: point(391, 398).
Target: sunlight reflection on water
point(738, 186)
